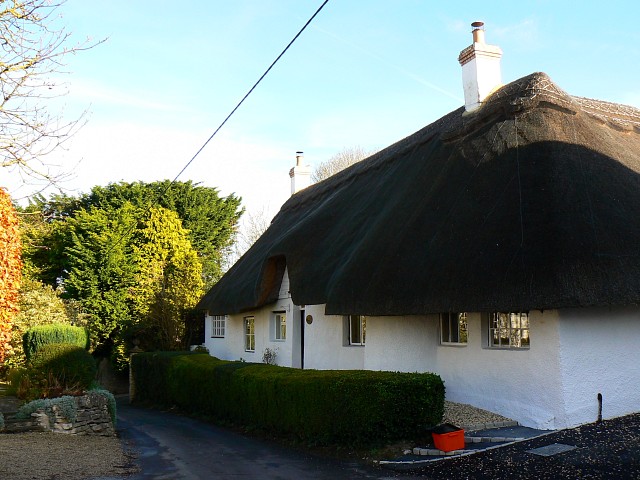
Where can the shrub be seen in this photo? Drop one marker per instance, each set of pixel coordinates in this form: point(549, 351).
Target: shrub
point(323, 407)
point(66, 404)
point(62, 367)
point(35, 338)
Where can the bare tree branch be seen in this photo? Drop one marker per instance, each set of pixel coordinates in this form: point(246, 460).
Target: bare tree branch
point(341, 160)
point(32, 50)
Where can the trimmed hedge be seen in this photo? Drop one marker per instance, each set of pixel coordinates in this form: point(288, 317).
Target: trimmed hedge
point(36, 337)
point(69, 366)
point(317, 406)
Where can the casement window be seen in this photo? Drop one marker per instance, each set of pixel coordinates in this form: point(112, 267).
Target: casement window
point(509, 330)
point(453, 328)
point(218, 326)
point(280, 325)
point(249, 334)
point(357, 329)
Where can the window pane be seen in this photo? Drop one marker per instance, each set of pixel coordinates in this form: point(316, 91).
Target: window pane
point(509, 329)
point(249, 334)
point(357, 329)
point(364, 328)
point(453, 321)
point(445, 329)
point(462, 326)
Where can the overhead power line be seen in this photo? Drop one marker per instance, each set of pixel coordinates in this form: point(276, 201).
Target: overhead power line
point(162, 194)
point(251, 90)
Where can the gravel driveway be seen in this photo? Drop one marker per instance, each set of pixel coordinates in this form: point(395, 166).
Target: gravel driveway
point(607, 450)
point(54, 456)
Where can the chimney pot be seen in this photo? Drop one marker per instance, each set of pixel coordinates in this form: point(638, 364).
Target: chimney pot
point(299, 157)
point(478, 32)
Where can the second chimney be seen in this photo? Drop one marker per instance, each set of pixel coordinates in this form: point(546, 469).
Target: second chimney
point(481, 74)
point(300, 174)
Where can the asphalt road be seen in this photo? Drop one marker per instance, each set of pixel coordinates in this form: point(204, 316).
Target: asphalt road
point(174, 447)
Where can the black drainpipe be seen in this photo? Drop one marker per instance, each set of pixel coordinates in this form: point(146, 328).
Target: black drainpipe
point(302, 338)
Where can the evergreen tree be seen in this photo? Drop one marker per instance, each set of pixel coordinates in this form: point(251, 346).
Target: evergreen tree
point(100, 270)
point(168, 278)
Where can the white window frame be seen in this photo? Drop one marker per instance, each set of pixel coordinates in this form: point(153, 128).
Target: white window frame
point(218, 326)
point(357, 330)
point(280, 326)
point(454, 326)
point(509, 330)
point(250, 334)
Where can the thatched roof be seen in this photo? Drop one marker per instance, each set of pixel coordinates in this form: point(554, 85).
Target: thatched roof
point(530, 202)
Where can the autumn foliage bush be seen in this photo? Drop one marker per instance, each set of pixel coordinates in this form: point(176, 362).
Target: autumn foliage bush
point(10, 271)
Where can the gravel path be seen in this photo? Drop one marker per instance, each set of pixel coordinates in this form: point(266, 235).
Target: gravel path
point(462, 414)
point(607, 450)
point(51, 456)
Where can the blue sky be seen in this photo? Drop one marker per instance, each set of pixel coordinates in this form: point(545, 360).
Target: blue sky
point(365, 73)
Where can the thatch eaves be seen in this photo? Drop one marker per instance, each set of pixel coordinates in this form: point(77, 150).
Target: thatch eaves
point(530, 202)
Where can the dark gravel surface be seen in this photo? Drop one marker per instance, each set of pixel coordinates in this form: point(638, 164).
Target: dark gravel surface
point(608, 450)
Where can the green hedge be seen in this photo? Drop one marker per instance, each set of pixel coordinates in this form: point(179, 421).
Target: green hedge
point(36, 337)
point(67, 366)
point(319, 406)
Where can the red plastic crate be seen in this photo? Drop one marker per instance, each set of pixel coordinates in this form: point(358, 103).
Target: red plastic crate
point(449, 441)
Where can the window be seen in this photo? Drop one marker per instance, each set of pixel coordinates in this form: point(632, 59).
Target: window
point(249, 334)
point(509, 330)
point(218, 324)
point(357, 329)
point(280, 325)
point(453, 328)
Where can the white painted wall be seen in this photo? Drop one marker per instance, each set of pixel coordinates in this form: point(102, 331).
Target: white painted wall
point(574, 355)
point(600, 354)
point(520, 384)
point(232, 347)
point(325, 345)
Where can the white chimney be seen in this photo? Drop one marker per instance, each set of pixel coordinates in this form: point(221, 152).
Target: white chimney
point(480, 69)
point(300, 175)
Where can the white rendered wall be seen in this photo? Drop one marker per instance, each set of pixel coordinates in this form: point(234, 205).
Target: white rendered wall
point(232, 346)
point(325, 347)
point(600, 354)
point(520, 384)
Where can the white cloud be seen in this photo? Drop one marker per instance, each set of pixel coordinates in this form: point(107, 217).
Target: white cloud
point(524, 35)
point(90, 92)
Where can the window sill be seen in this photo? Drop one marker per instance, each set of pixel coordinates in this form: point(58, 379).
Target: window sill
point(451, 344)
point(492, 347)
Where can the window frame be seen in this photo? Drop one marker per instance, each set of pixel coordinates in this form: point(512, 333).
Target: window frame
point(280, 326)
point(249, 334)
point(449, 318)
point(360, 331)
point(512, 332)
point(218, 326)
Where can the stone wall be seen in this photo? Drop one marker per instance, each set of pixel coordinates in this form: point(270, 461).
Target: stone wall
point(91, 417)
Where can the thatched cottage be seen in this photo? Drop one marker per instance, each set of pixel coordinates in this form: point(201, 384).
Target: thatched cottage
point(498, 247)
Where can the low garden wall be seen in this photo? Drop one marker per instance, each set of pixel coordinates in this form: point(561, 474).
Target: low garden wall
point(90, 414)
